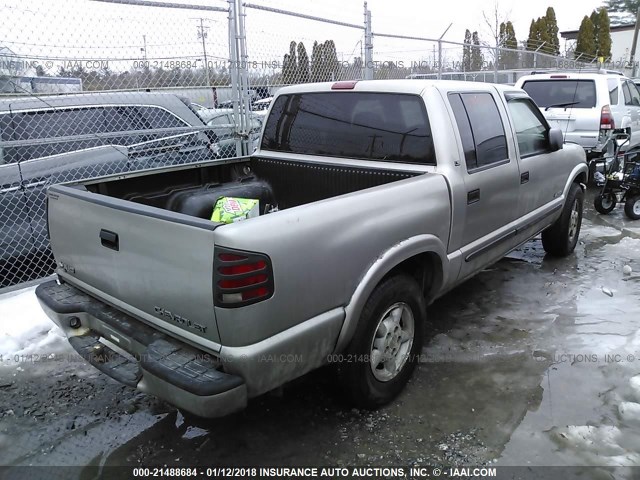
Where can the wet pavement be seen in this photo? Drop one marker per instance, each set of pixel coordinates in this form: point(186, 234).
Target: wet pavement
point(535, 361)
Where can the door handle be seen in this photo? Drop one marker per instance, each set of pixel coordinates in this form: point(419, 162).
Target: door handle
point(109, 240)
point(524, 177)
point(473, 196)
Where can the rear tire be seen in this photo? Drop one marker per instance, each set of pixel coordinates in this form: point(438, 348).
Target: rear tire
point(379, 360)
point(605, 203)
point(561, 238)
point(632, 207)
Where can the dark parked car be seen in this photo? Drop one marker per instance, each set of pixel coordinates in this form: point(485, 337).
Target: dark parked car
point(55, 139)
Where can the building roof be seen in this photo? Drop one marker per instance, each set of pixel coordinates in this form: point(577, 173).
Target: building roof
point(573, 34)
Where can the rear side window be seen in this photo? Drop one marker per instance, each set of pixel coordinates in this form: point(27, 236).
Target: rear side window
point(373, 126)
point(94, 125)
point(479, 120)
point(612, 83)
point(464, 127)
point(60, 123)
point(562, 93)
point(626, 93)
point(52, 124)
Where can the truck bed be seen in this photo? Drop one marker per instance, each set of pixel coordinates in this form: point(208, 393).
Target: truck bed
point(276, 183)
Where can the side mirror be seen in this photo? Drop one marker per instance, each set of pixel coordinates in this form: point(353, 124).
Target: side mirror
point(635, 101)
point(556, 139)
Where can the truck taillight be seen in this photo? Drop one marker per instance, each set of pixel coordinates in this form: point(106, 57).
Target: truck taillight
point(241, 278)
point(606, 119)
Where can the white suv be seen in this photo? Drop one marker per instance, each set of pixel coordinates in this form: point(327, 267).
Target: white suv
point(587, 107)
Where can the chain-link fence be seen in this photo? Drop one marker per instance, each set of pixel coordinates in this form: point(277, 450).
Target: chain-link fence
point(94, 88)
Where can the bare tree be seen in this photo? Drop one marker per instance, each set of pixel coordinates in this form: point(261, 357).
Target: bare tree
point(492, 20)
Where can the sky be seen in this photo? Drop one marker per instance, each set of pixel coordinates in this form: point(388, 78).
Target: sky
point(430, 18)
point(65, 30)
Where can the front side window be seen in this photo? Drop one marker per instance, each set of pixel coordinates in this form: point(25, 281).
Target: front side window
point(635, 96)
point(53, 124)
point(530, 130)
point(372, 126)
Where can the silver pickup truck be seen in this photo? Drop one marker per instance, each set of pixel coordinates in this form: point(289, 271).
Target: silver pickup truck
point(375, 197)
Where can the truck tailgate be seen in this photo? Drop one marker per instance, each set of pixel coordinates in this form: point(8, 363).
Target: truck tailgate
point(137, 258)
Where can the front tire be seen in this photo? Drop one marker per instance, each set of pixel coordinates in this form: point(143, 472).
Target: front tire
point(632, 207)
point(605, 203)
point(561, 238)
point(384, 351)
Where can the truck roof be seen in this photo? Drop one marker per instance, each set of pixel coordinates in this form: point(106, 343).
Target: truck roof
point(564, 75)
point(410, 86)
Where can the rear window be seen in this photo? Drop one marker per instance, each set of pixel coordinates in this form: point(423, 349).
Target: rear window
point(372, 126)
point(562, 93)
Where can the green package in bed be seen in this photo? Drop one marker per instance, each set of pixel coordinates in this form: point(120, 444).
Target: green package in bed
point(234, 209)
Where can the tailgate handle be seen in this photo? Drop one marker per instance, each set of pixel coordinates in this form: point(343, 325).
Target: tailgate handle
point(109, 240)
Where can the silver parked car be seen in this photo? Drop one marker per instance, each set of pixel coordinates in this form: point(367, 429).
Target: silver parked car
point(587, 107)
point(224, 125)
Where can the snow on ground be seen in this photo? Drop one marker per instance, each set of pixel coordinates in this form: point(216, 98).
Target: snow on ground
point(25, 329)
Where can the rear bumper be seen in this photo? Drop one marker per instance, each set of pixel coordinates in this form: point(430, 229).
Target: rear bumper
point(140, 356)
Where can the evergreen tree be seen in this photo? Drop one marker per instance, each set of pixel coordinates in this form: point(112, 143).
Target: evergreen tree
point(316, 61)
point(603, 34)
point(551, 31)
point(507, 39)
point(532, 39)
point(466, 51)
point(533, 43)
point(303, 64)
point(544, 39)
point(477, 58)
point(290, 65)
point(586, 45)
point(622, 11)
point(323, 66)
point(331, 60)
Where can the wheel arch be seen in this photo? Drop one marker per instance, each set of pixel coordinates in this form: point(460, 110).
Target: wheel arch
point(579, 175)
point(422, 257)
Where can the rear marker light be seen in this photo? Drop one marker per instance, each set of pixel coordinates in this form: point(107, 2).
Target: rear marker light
point(344, 85)
point(241, 278)
point(606, 119)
